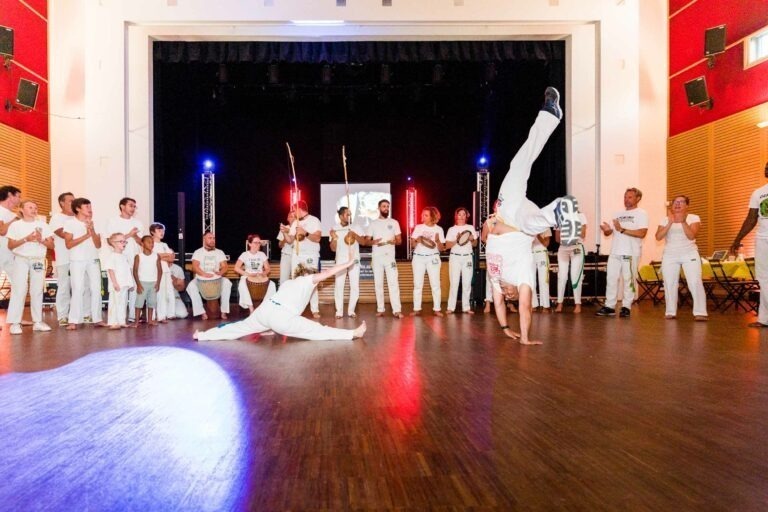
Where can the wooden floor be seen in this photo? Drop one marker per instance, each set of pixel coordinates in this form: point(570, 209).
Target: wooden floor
point(423, 414)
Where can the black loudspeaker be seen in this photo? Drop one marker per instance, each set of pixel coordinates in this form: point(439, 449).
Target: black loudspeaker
point(696, 92)
point(26, 96)
point(714, 41)
point(6, 41)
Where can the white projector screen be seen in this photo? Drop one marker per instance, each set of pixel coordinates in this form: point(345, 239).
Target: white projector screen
point(363, 201)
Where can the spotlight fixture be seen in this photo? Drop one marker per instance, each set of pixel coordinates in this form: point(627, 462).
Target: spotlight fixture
point(482, 164)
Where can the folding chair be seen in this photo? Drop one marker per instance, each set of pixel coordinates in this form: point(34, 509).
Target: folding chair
point(736, 290)
point(651, 285)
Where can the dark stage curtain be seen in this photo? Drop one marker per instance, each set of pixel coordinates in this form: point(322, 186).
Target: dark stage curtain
point(342, 52)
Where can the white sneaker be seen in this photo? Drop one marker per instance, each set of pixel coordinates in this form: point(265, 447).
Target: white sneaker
point(41, 327)
point(15, 329)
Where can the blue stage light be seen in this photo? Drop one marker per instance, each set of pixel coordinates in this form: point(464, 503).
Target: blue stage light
point(208, 165)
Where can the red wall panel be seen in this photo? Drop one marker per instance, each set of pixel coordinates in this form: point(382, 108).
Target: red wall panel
point(30, 53)
point(732, 87)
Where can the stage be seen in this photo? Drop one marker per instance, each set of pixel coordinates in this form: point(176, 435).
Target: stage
point(423, 413)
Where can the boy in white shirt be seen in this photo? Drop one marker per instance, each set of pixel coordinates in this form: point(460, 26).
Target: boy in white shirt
point(83, 243)
point(147, 272)
point(121, 281)
point(165, 295)
point(63, 287)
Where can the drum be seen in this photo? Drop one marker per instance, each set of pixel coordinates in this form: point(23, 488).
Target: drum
point(463, 237)
point(257, 287)
point(210, 289)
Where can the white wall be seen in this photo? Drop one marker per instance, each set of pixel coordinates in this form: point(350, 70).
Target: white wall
point(109, 154)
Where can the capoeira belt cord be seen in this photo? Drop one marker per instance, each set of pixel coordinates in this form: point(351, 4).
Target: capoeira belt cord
point(581, 270)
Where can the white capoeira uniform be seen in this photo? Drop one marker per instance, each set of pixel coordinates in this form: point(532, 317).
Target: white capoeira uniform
point(625, 254)
point(342, 255)
point(122, 267)
point(121, 225)
point(281, 314)
point(85, 273)
point(383, 262)
point(253, 263)
point(61, 263)
point(180, 309)
point(541, 272)
point(681, 252)
point(571, 258)
point(165, 295)
point(27, 270)
point(426, 260)
point(460, 266)
point(309, 253)
point(6, 256)
point(509, 256)
point(209, 261)
point(759, 201)
point(286, 254)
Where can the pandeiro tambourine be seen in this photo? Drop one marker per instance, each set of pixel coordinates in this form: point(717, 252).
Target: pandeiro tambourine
point(428, 242)
point(349, 238)
point(463, 237)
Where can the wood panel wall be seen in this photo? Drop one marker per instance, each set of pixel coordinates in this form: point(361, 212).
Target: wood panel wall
point(25, 162)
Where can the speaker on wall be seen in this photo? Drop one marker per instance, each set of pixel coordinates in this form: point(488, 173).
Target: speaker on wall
point(714, 41)
point(697, 94)
point(6, 42)
point(26, 96)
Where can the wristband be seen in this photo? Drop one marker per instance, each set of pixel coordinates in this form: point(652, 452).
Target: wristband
point(504, 327)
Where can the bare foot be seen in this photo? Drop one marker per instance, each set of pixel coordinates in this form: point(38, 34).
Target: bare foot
point(577, 309)
point(133, 326)
point(163, 321)
point(416, 313)
point(224, 316)
point(99, 324)
point(153, 323)
point(700, 318)
point(195, 334)
point(559, 308)
point(353, 315)
point(669, 317)
point(359, 330)
point(114, 327)
point(529, 342)
point(338, 317)
point(487, 308)
point(380, 313)
point(71, 327)
point(448, 312)
point(469, 312)
point(204, 316)
point(512, 308)
point(397, 315)
point(509, 333)
point(546, 310)
point(439, 313)
point(316, 315)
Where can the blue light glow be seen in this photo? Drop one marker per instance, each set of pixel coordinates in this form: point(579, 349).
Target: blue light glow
point(208, 164)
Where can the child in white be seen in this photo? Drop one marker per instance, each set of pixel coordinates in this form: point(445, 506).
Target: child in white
point(383, 235)
point(571, 257)
point(28, 239)
point(147, 272)
point(541, 269)
point(282, 314)
point(286, 249)
point(252, 262)
point(133, 229)
point(120, 271)
point(679, 229)
point(344, 250)
point(83, 243)
point(460, 264)
point(63, 287)
point(429, 241)
point(628, 229)
point(166, 297)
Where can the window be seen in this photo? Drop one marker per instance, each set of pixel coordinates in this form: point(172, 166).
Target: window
point(756, 48)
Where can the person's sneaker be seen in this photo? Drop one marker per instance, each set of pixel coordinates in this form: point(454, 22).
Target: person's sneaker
point(63, 322)
point(552, 102)
point(15, 329)
point(41, 327)
point(624, 313)
point(568, 220)
point(605, 311)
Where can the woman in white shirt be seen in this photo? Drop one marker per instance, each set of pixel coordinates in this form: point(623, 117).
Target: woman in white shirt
point(679, 229)
point(252, 263)
point(461, 239)
point(428, 239)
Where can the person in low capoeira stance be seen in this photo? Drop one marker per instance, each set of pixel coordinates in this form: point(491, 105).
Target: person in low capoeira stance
point(509, 250)
point(281, 313)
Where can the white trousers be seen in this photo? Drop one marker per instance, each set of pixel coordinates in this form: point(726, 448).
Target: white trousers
point(27, 275)
point(180, 308)
point(244, 296)
point(460, 267)
point(670, 270)
point(85, 275)
point(270, 316)
point(304, 259)
point(761, 274)
point(354, 290)
point(488, 288)
point(388, 266)
point(285, 267)
point(197, 301)
point(117, 308)
point(63, 291)
point(570, 258)
point(429, 264)
point(624, 268)
point(166, 298)
point(541, 273)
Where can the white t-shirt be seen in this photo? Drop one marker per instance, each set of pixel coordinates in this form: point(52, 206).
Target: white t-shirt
point(6, 216)
point(121, 225)
point(311, 224)
point(21, 229)
point(84, 251)
point(677, 242)
point(453, 235)
point(537, 245)
point(162, 248)
point(287, 248)
point(759, 200)
point(148, 267)
point(253, 263)
point(386, 230)
point(342, 248)
point(59, 245)
point(122, 267)
point(209, 261)
point(509, 258)
point(294, 294)
point(428, 232)
point(625, 245)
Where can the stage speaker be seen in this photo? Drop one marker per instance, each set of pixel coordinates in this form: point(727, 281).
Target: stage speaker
point(714, 41)
point(6, 41)
point(26, 95)
point(696, 93)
